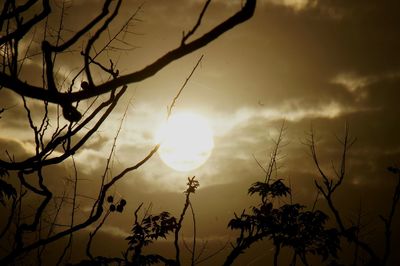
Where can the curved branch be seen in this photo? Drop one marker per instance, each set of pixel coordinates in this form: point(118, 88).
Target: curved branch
point(84, 30)
point(31, 91)
point(33, 161)
point(91, 219)
point(24, 28)
point(93, 40)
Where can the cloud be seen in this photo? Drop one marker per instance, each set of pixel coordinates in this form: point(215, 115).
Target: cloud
point(111, 230)
point(293, 110)
point(356, 84)
point(237, 137)
point(296, 5)
point(14, 148)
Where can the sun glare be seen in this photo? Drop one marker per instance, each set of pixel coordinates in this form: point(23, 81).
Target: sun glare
point(186, 141)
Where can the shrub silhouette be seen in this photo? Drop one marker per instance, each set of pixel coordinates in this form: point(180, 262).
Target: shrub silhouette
point(288, 225)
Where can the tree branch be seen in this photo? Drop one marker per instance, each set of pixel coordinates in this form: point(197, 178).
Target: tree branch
point(31, 91)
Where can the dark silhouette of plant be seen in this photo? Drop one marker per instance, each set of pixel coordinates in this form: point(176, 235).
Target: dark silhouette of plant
point(388, 222)
point(329, 185)
point(305, 231)
point(289, 225)
point(7, 191)
point(9, 79)
point(144, 232)
point(149, 229)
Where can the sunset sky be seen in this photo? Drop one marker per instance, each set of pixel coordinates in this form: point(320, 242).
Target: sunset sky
point(312, 63)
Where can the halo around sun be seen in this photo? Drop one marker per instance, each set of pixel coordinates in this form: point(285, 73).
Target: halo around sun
point(186, 141)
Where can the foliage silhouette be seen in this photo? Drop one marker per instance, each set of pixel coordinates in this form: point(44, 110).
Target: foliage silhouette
point(304, 231)
point(7, 191)
point(288, 225)
point(148, 230)
point(144, 232)
point(307, 232)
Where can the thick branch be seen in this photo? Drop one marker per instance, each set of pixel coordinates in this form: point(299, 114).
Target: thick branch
point(39, 93)
point(18, 10)
point(93, 40)
point(24, 28)
point(33, 162)
point(84, 30)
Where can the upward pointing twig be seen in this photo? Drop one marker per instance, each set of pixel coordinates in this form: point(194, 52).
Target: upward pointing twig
point(182, 87)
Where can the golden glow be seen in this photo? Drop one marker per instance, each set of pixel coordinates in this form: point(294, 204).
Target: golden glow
point(186, 141)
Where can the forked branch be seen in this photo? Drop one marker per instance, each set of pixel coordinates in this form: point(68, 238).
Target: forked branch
point(28, 90)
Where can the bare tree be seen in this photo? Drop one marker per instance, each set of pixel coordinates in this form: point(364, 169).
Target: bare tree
point(328, 185)
point(64, 126)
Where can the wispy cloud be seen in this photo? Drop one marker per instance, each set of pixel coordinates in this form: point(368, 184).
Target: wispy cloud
point(111, 230)
point(296, 5)
point(356, 83)
point(293, 111)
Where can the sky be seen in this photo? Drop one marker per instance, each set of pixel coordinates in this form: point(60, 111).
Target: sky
point(311, 63)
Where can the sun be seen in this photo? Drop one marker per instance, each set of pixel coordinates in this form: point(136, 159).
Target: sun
point(186, 141)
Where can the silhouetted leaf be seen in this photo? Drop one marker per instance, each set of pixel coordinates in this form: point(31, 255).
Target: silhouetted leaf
point(151, 228)
point(120, 208)
point(279, 189)
point(192, 184)
point(3, 172)
point(394, 170)
point(110, 199)
point(123, 202)
point(261, 188)
point(6, 191)
point(287, 225)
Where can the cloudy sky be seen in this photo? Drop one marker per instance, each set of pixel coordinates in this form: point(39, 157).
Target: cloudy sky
point(315, 64)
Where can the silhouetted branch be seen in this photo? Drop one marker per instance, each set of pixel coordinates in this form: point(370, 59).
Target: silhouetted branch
point(84, 224)
point(10, 216)
point(67, 44)
point(55, 147)
point(92, 234)
point(213, 254)
point(22, 29)
point(32, 91)
point(251, 225)
point(389, 220)
point(110, 155)
point(69, 244)
point(329, 187)
point(32, 226)
point(123, 29)
point(36, 161)
point(53, 223)
point(18, 10)
point(93, 39)
point(194, 235)
point(193, 30)
point(169, 111)
point(192, 184)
